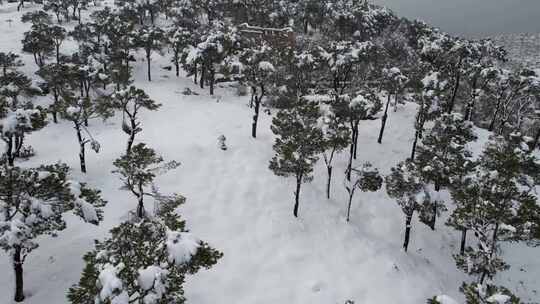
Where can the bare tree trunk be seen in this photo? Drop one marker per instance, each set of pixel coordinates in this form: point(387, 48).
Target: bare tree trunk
point(9, 151)
point(329, 182)
point(297, 195)
point(463, 241)
point(258, 100)
point(212, 80)
point(536, 140)
point(415, 143)
point(140, 205)
point(456, 88)
point(131, 138)
point(492, 252)
point(82, 144)
point(148, 59)
point(384, 118)
point(351, 194)
point(407, 232)
point(18, 269)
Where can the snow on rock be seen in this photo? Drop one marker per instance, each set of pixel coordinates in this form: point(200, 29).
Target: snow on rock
point(181, 246)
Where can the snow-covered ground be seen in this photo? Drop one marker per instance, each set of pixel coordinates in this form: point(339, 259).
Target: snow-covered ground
point(240, 207)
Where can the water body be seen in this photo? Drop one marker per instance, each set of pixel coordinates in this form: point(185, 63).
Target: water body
point(472, 18)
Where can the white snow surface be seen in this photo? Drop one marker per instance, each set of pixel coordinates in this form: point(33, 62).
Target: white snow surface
point(237, 205)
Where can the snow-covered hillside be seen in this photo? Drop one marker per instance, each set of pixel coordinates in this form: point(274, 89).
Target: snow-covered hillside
point(237, 205)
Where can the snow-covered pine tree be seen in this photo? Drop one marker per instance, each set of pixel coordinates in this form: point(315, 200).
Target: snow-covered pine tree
point(218, 43)
point(37, 40)
point(9, 62)
point(500, 205)
point(33, 202)
point(336, 135)
point(405, 185)
point(299, 140)
point(79, 111)
point(258, 71)
point(143, 262)
point(343, 67)
point(130, 101)
point(150, 39)
point(431, 101)
point(15, 124)
point(58, 82)
point(13, 83)
point(394, 83)
point(137, 170)
point(366, 178)
point(361, 105)
point(443, 156)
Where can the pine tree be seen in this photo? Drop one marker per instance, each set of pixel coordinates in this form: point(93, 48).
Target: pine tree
point(15, 125)
point(79, 111)
point(336, 137)
point(258, 71)
point(498, 205)
point(443, 155)
point(150, 39)
point(144, 261)
point(130, 101)
point(298, 143)
point(394, 83)
point(59, 82)
point(137, 170)
point(32, 204)
point(404, 184)
point(366, 178)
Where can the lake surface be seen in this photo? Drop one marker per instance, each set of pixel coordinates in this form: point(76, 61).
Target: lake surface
point(472, 17)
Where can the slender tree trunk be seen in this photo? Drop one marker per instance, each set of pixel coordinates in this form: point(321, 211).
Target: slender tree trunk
point(131, 138)
point(456, 88)
point(58, 53)
point(495, 115)
point(82, 144)
point(203, 74)
point(195, 73)
point(258, 100)
point(415, 143)
point(351, 194)
point(177, 67)
point(349, 166)
point(536, 140)
point(18, 269)
point(492, 251)
point(19, 141)
point(384, 118)
point(407, 232)
point(9, 151)
point(148, 59)
point(297, 195)
point(355, 139)
point(463, 241)
point(329, 182)
point(140, 205)
point(212, 81)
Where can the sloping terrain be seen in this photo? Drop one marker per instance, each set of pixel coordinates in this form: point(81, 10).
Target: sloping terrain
point(241, 208)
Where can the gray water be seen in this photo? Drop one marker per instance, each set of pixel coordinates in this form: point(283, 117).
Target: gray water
point(472, 17)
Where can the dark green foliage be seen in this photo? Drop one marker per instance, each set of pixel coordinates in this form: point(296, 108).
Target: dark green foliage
point(130, 102)
point(136, 248)
point(33, 203)
point(137, 171)
point(366, 178)
point(298, 143)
